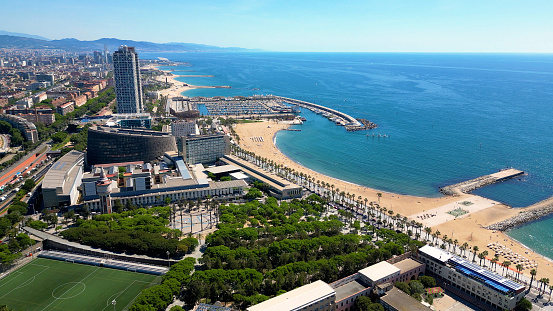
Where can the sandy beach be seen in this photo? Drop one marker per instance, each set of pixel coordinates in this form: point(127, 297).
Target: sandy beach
point(467, 228)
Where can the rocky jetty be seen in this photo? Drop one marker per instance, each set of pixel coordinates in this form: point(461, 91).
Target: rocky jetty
point(468, 186)
point(522, 218)
point(368, 125)
point(473, 184)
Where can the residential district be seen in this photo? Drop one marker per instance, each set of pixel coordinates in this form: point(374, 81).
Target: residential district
point(103, 166)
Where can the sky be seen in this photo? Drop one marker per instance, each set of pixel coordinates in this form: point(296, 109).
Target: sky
point(298, 25)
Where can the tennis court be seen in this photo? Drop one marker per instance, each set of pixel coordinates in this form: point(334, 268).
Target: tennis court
point(46, 284)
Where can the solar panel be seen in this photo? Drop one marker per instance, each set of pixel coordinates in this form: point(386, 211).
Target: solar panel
point(496, 281)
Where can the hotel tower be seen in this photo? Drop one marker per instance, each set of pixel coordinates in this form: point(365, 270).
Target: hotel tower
point(128, 88)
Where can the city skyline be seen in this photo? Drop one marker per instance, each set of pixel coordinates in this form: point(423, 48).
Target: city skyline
point(308, 26)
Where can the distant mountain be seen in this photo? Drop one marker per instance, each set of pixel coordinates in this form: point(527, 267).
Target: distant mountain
point(75, 45)
point(24, 35)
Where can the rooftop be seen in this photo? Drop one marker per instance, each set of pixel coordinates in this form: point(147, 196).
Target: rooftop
point(62, 171)
point(402, 302)
point(436, 253)
point(297, 298)
point(349, 289)
point(223, 169)
point(407, 264)
point(379, 271)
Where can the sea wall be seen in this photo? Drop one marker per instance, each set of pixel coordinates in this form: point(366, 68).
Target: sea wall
point(522, 218)
point(468, 186)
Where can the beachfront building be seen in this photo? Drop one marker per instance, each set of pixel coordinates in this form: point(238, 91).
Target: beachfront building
point(60, 183)
point(278, 187)
point(128, 87)
point(146, 184)
point(203, 149)
point(314, 296)
point(477, 285)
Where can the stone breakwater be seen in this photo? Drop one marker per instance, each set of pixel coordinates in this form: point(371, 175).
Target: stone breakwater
point(473, 184)
point(522, 218)
point(468, 186)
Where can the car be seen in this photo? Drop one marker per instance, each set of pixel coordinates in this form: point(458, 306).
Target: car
point(2, 198)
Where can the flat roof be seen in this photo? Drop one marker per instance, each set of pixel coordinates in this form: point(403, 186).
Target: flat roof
point(223, 169)
point(486, 276)
point(402, 302)
point(57, 174)
point(257, 173)
point(297, 298)
point(348, 289)
point(379, 271)
point(407, 264)
point(436, 253)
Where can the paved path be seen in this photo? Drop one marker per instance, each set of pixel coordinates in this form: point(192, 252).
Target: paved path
point(439, 215)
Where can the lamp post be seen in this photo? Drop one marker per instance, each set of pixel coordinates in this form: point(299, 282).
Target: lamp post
point(168, 260)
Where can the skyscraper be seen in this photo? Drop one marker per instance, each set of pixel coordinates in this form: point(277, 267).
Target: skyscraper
point(128, 88)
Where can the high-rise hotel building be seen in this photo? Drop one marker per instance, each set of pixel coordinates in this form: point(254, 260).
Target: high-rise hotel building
point(128, 87)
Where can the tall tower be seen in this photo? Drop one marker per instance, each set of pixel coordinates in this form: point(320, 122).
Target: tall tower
point(128, 87)
point(103, 188)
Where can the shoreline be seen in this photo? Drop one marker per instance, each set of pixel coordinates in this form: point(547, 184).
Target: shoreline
point(463, 229)
point(469, 228)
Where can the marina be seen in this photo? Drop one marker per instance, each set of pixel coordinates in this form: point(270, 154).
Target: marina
point(338, 117)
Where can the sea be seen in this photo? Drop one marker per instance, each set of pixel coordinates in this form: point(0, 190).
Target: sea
point(447, 118)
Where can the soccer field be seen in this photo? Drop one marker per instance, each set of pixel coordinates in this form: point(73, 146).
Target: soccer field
point(46, 284)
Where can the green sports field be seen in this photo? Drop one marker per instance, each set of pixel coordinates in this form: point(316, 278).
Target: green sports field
point(46, 284)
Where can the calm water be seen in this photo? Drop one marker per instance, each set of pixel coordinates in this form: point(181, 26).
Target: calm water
point(450, 117)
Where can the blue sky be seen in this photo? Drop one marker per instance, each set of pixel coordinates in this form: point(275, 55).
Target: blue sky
point(301, 25)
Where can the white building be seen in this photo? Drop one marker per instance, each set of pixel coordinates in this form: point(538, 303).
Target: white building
point(60, 183)
point(315, 296)
point(470, 281)
point(184, 128)
point(128, 87)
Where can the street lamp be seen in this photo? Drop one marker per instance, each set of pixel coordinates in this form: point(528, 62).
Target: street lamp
point(168, 260)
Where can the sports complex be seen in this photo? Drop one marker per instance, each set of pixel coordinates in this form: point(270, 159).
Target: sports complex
point(47, 284)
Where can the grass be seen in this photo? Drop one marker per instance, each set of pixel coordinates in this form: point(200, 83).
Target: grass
point(46, 284)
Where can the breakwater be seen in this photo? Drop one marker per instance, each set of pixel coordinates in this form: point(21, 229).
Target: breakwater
point(533, 212)
point(473, 184)
point(338, 117)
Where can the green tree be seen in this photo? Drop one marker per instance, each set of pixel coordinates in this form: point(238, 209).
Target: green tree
point(403, 287)
point(523, 305)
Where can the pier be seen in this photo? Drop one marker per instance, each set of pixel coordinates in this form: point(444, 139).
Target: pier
point(473, 184)
point(340, 118)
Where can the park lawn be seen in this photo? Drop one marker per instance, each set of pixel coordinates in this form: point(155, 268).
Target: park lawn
point(46, 284)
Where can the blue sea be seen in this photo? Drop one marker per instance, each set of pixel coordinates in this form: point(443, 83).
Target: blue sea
point(449, 117)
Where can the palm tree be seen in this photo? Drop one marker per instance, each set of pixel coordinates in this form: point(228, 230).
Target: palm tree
point(550, 291)
point(506, 265)
point(475, 249)
point(519, 268)
point(428, 230)
point(481, 256)
point(465, 247)
point(494, 262)
point(379, 195)
point(533, 273)
point(455, 243)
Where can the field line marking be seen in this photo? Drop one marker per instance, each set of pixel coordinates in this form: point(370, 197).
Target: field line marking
point(81, 281)
point(18, 274)
point(119, 294)
point(19, 286)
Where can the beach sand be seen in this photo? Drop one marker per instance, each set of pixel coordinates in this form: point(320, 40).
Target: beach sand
point(468, 228)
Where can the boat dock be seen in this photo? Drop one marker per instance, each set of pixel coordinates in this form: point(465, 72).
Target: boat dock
point(338, 117)
point(473, 184)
